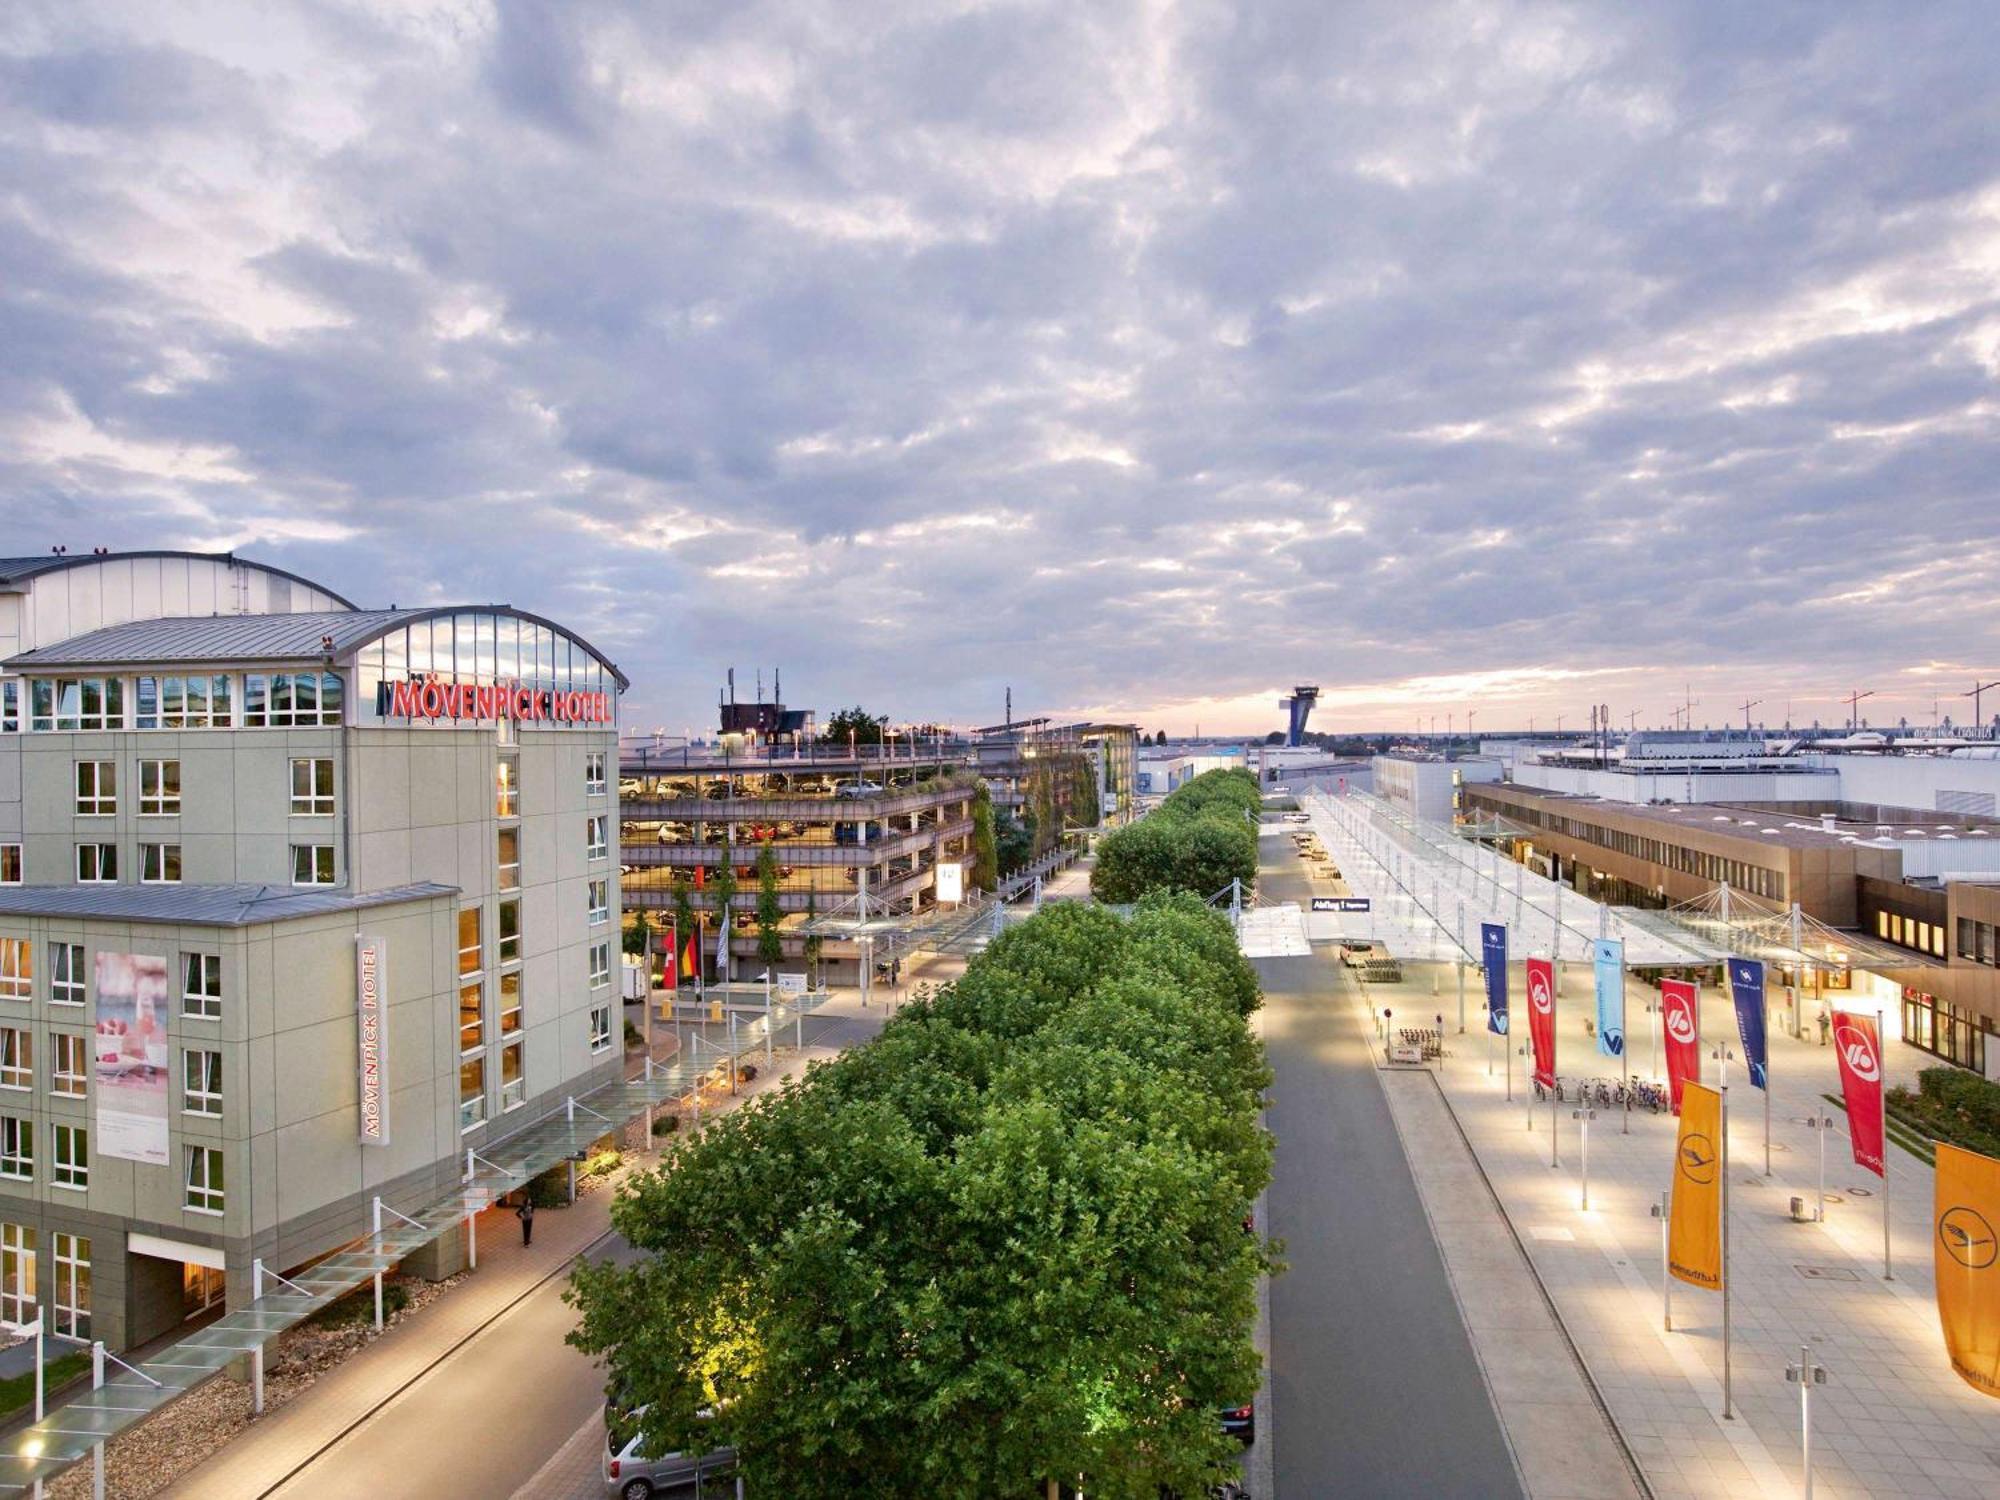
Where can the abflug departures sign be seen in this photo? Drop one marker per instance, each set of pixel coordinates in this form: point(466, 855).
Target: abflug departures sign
point(435, 698)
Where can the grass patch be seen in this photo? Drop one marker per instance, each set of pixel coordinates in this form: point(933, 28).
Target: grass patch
point(17, 1392)
point(1901, 1132)
point(358, 1306)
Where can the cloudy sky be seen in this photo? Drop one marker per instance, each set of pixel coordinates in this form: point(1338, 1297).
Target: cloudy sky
point(1146, 357)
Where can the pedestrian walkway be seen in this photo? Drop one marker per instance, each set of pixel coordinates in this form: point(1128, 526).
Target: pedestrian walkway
point(1893, 1420)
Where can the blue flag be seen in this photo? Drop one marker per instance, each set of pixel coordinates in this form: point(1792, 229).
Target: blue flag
point(1746, 986)
point(1493, 954)
point(1607, 957)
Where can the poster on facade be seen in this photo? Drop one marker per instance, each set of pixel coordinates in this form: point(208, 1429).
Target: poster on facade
point(130, 1063)
point(950, 882)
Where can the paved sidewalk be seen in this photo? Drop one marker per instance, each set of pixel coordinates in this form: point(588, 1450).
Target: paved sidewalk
point(1893, 1420)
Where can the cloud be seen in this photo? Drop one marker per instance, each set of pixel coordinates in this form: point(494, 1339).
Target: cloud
point(1158, 354)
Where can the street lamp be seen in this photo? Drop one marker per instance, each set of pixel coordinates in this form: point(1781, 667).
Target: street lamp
point(1805, 1374)
point(1583, 1117)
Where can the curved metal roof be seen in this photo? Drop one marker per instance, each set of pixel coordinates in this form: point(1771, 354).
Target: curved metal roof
point(207, 640)
point(15, 569)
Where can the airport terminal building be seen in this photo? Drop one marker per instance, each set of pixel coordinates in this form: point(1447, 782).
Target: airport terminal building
point(298, 902)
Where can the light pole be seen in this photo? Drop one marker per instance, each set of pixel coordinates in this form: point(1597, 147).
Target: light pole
point(1583, 1117)
point(1819, 1124)
point(1807, 1375)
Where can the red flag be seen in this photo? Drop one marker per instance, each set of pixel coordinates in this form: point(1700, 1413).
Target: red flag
point(1679, 1017)
point(670, 970)
point(1542, 1018)
point(1860, 1052)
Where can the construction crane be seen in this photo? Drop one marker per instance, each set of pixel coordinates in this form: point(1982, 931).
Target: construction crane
point(1747, 706)
point(1977, 689)
point(1853, 701)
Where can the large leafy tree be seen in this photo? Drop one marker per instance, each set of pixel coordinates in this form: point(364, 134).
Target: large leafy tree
point(864, 728)
point(999, 1244)
point(985, 851)
point(1198, 840)
point(770, 945)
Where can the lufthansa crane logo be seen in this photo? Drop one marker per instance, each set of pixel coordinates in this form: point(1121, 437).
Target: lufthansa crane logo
point(1967, 1238)
point(1858, 1048)
point(1696, 1160)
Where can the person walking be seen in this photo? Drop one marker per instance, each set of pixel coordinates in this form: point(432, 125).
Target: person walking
point(526, 1214)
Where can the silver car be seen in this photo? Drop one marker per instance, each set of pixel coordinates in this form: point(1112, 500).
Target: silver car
point(630, 1475)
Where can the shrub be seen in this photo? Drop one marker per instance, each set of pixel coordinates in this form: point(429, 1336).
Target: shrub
point(1952, 1105)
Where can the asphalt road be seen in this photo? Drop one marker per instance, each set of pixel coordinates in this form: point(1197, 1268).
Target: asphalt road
point(1373, 1385)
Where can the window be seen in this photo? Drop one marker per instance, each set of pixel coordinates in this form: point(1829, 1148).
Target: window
point(96, 788)
point(600, 902)
point(600, 1028)
point(510, 932)
point(159, 864)
point(17, 1058)
point(77, 703)
point(10, 864)
point(19, 1297)
point(507, 788)
point(17, 1147)
point(159, 788)
point(97, 864)
point(596, 840)
point(471, 1092)
point(284, 700)
point(70, 1167)
point(513, 1086)
point(71, 1074)
point(10, 706)
point(593, 774)
point(66, 975)
point(600, 965)
point(17, 969)
point(471, 1017)
point(510, 859)
point(182, 702)
point(312, 788)
point(202, 1177)
point(201, 985)
point(201, 1082)
point(510, 1004)
point(470, 957)
point(73, 1286)
point(312, 864)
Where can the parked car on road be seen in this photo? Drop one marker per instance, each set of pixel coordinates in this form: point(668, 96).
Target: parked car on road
point(630, 1475)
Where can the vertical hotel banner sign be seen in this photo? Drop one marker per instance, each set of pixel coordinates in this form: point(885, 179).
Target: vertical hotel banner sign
point(1493, 958)
point(1966, 1254)
point(1678, 1018)
point(1542, 1018)
point(371, 1011)
point(1694, 1224)
point(1607, 962)
point(129, 1066)
point(1859, 1051)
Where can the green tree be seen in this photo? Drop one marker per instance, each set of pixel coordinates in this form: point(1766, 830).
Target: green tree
point(1013, 843)
point(985, 873)
point(638, 935)
point(770, 945)
point(866, 728)
point(814, 943)
point(1198, 840)
point(1017, 1213)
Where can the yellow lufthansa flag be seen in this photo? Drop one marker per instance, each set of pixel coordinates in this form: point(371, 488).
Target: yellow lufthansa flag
point(1967, 1221)
point(1694, 1238)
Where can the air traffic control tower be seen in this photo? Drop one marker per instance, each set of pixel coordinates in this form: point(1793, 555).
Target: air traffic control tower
point(1298, 705)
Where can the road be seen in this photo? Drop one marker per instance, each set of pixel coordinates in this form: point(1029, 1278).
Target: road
point(485, 1419)
point(1373, 1386)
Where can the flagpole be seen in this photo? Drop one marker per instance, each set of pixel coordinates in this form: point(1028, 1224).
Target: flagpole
point(1553, 1075)
point(1728, 1396)
point(1882, 1094)
point(1624, 1045)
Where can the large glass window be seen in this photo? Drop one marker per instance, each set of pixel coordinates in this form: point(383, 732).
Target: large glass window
point(596, 836)
point(510, 1003)
point(507, 787)
point(513, 1085)
point(159, 864)
point(471, 1017)
point(73, 1286)
point(70, 1165)
point(593, 774)
point(70, 1074)
point(312, 787)
point(510, 931)
point(312, 864)
point(19, 1294)
point(17, 1058)
point(283, 700)
point(97, 864)
point(10, 864)
point(600, 1028)
point(471, 1092)
point(599, 899)
point(201, 1082)
point(17, 969)
point(510, 859)
point(17, 1147)
point(600, 965)
point(201, 985)
point(96, 788)
point(202, 1179)
point(182, 702)
point(72, 703)
point(471, 956)
point(159, 788)
point(67, 983)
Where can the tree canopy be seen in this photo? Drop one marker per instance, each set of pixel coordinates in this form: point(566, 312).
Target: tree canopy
point(1002, 1242)
point(1199, 839)
point(864, 727)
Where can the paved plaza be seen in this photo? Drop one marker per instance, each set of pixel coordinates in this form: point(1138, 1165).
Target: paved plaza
point(1893, 1419)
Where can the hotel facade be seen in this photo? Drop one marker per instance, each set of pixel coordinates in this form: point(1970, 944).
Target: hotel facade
point(298, 903)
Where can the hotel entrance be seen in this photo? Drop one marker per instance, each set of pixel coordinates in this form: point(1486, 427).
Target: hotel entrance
point(1944, 1031)
point(201, 1289)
